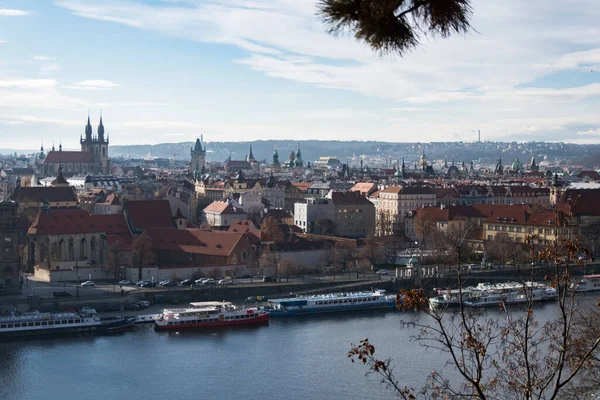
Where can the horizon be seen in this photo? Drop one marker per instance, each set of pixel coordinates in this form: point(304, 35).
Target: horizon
point(268, 70)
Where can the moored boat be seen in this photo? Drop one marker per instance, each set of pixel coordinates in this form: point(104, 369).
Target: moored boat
point(326, 303)
point(588, 283)
point(36, 324)
point(207, 315)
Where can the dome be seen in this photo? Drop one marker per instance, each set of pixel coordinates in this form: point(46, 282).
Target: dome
point(516, 165)
point(413, 261)
point(453, 170)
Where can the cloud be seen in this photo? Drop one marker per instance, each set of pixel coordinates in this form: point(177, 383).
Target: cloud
point(485, 80)
point(43, 58)
point(28, 83)
point(47, 69)
point(3, 42)
point(93, 84)
point(8, 12)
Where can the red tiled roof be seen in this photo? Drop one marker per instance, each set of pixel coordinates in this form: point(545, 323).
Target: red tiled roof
point(580, 201)
point(445, 192)
point(144, 214)
point(69, 157)
point(197, 241)
point(41, 194)
point(363, 187)
point(342, 198)
point(63, 222)
point(589, 174)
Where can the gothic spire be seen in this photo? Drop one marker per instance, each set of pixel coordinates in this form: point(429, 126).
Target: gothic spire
point(88, 129)
point(100, 129)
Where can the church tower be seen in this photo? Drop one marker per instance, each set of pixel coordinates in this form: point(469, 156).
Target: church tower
point(198, 154)
point(98, 146)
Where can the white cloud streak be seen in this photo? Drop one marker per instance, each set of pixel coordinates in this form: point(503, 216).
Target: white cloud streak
point(9, 12)
point(93, 84)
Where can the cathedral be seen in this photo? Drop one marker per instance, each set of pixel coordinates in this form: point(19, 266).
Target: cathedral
point(91, 160)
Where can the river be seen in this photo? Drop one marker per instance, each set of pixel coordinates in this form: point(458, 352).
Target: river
point(290, 359)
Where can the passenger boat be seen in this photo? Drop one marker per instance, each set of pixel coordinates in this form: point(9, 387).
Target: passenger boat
point(511, 296)
point(450, 297)
point(209, 314)
point(486, 294)
point(334, 302)
point(68, 323)
point(588, 283)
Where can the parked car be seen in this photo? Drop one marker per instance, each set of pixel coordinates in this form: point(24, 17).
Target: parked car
point(88, 310)
point(139, 283)
point(225, 282)
point(143, 303)
point(88, 283)
point(382, 272)
point(134, 306)
point(125, 282)
point(246, 276)
point(187, 282)
point(269, 279)
point(168, 282)
point(209, 281)
point(200, 281)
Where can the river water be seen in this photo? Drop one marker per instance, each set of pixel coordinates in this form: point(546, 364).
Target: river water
point(290, 359)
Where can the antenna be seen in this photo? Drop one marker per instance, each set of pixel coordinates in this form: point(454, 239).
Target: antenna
point(479, 135)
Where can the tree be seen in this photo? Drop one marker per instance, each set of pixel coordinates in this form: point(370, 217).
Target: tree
point(345, 255)
point(512, 357)
point(286, 268)
point(371, 251)
point(272, 259)
point(327, 261)
point(271, 228)
point(325, 226)
point(113, 259)
point(396, 26)
point(384, 224)
point(424, 227)
point(391, 248)
point(141, 252)
point(499, 248)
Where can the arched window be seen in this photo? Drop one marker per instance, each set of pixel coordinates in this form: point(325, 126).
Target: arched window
point(7, 275)
point(83, 252)
point(71, 250)
point(93, 250)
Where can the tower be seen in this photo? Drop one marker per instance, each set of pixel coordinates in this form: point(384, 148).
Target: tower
point(250, 157)
point(98, 146)
point(276, 159)
point(198, 154)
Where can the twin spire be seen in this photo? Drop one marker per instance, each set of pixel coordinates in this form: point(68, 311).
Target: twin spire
point(100, 132)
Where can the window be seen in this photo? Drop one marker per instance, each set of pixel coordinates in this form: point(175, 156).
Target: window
point(7, 240)
point(490, 237)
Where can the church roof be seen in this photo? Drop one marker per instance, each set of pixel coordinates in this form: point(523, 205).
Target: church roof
point(143, 214)
point(38, 194)
point(69, 157)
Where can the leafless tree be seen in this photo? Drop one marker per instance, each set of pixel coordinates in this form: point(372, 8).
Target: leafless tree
point(513, 357)
point(142, 254)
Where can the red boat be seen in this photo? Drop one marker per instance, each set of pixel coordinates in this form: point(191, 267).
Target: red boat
point(207, 315)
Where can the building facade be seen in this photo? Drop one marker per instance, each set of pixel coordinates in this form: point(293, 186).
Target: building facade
point(9, 257)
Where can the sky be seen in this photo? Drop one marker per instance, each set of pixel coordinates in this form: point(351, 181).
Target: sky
point(240, 70)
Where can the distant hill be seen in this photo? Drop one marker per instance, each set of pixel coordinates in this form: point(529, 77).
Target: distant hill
point(313, 149)
point(219, 151)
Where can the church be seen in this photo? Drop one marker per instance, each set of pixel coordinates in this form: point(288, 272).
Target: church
point(91, 160)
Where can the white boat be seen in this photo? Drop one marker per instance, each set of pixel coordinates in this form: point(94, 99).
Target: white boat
point(488, 294)
point(47, 324)
point(209, 314)
point(517, 296)
point(588, 283)
point(333, 302)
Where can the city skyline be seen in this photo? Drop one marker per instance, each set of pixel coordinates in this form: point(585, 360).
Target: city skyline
point(168, 71)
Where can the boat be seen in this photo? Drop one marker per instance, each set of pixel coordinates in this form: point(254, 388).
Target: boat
point(588, 283)
point(34, 324)
point(514, 296)
point(209, 314)
point(333, 302)
point(451, 297)
point(487, 294)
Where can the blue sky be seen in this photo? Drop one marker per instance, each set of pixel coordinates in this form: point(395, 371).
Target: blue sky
point(238, 70)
